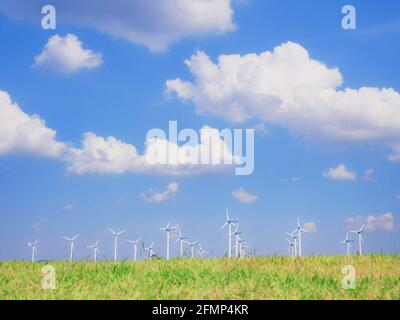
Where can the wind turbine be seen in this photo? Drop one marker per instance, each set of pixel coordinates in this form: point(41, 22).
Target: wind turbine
point(291, 247)
point(347, 242)
point(192, 245)
point(95, 250)
point(294, 237)
point(201, 251)
point(237, 239)
point(229, 222)
point(182, 240)
point(299, 230)
point(135, 244)
point(360, 238)
point(33, 246)
point(168, 229)
point(150, 248)
point(71, 241)
point(244, 246)
point(116, 234)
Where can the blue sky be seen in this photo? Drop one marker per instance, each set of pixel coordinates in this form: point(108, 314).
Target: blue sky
point(124, 96)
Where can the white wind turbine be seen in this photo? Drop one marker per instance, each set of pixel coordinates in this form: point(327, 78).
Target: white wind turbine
point(299, 230)
point(135, 244)
point(150, 249)
point(95, 250)
point(229, 222)
point(192, 246)
point(291, 247)
point(347, 241)
point(168, 229)
point(360, 238)
point(33, 246)
point(294, 237)
point(116, 234)
point(237, 239)
point(201, 252)
point(71, 241)
point(244, 246)
point(181, 239)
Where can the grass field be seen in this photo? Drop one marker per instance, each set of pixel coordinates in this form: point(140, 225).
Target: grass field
point(378, 277)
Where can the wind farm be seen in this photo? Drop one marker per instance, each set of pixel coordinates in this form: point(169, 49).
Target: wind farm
point(187, 269)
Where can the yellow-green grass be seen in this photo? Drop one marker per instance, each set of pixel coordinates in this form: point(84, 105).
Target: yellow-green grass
point(377, 277)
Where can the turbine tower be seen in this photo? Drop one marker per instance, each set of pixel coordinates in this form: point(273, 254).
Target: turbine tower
point(33, 246)
point(294, 237)
point(95, 250)
point(360, 238)
point(168, 229)
point(237, 239)
point(347, 242)
point(192, 245)
point(181, 239)
point(116, 234)
point(291, 248)
point(135, 244)
point(229, 222)
point(150, 249)
point(71, 252)
point(299, 230)
point(201, 251)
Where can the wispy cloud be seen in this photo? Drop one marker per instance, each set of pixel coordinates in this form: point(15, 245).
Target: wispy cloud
point(368, 175)
point(384, 222)
point(69, 207)
point(244, 196)
point(310, 226)
point(161, 196)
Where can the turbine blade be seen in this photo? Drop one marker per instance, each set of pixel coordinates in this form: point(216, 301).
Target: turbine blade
point(223, 226)
point(362, 227)
point(111, 230)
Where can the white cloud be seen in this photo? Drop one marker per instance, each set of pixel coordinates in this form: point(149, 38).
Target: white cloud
point(288, 88)
point(244, 196)
point(163, 196)
point(340, 173)
point(112, 156)
point(384, 222)
point(395, 156)
point(20, 132)
point(66, 55)
point(310, 226)
point(156, 23)
point(69, 207)
point(368, 175)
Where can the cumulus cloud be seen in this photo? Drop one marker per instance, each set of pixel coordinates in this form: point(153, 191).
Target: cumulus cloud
point(384, 222)
point(340, 173)
point(310, 226)
point(66, 55)
point(288, 88)
point(368, 175)
point(155, 24)
point(162, 196)
point(244, 196)
point(163, 157)
point(20, 132)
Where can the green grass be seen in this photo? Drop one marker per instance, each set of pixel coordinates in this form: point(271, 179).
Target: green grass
point(378, 277)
